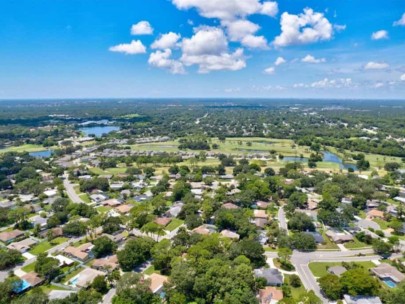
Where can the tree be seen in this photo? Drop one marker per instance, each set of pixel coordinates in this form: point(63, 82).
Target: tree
point(331, 286)
point(303, 242)
point(75, 228)
point(47, 267)
point(357, 282)
point(9, 258)
point(112, 224)
point(392, 166)
point(394, 295)
point(382, 248)
point(132, 288)
point(251, 249)
point(295, 281)
point(269, 172)
point(301, 222)
point(99, 284)
point(135, 252)
point(103, 246)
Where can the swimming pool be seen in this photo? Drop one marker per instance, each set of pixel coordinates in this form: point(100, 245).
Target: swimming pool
point(390, 283)
point(24, 285)
point(73, 281)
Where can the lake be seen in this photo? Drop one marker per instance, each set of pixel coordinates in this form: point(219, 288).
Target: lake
point(41, 154)
point(98, 131)
point(327, 157)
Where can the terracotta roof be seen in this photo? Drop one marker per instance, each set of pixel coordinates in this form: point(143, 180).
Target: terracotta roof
point(10, 235)
point(260, 214)
point(107, 262)
point(157, 281)
point(112, 202)
point(229, 206)
point(268, 294)
point(124, 208)
point(32, 278)
point(163, 221)
point(375, 213)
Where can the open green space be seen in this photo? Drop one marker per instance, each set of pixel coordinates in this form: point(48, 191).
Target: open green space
point(23, 148)
point(46, 245)
point(175, 223)
point(320, 269)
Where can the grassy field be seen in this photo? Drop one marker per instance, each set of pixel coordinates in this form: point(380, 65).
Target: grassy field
point(44, 246)
point(296, 293)
point(29, 267)
point(319, 269)
point(328, 245)
point(356, 244)
point(174, 224)
point(23, 148)
point(85, 198)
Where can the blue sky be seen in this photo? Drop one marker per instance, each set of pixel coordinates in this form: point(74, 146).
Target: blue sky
point(202, 48)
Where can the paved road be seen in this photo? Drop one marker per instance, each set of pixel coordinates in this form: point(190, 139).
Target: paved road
point(109, 296)
point(301, 260)
point(281, 218)
point(71, 191)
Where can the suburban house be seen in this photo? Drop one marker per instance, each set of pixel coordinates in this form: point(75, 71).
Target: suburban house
point(86, 277)
point(110, 263)
point(23, 246)
point(10, 236)
point(375, 214)
point(81, 252)
point(230, 234)
point(361, 300)
point(385, 271)
point(273, 276)
point(339, 237)
point(270, 295)
point(156, 282)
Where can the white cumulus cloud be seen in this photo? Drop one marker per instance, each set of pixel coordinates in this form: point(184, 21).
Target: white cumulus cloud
point(401, 21)
point(308, 27)
point(142, 28)
point(255, 42)
point(312, 59)
point(379, 35)
point(269, 70)
point(372, 65)
point(279, 61)
point(402, 77)
point(162, 59)
point(333, 83)
point(133, 48)
point(229, 9)
point(166, 41)
point(208, 48)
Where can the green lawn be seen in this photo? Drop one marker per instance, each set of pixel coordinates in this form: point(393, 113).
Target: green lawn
point(383, 224)
point(103, 209)
point(356, 244)
point(29, 267)
point(47, 288)
point(85, 198)
point(72, 274)
point(149, 270)
point(320, 269)
point(328, 245)
point(175, 223)
point(45, 245)
point(296, 293)
point(23, 148)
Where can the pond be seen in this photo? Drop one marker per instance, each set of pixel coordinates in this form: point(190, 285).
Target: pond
point(98, 131)
point(327, 157)
point(41, 154)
